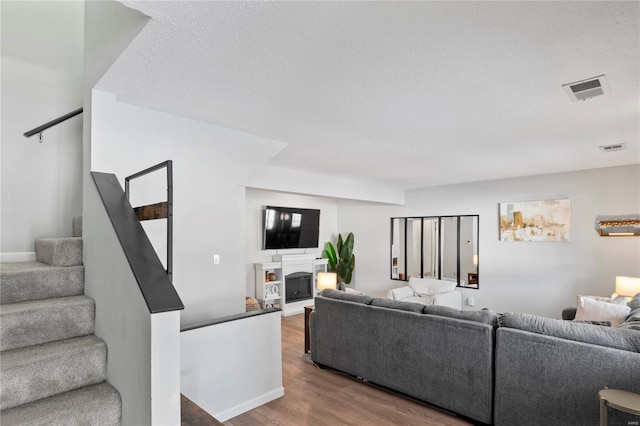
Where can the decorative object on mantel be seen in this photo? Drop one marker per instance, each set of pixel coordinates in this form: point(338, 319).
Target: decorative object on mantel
point(342, 261)
point(543, 220)
point(618, 226)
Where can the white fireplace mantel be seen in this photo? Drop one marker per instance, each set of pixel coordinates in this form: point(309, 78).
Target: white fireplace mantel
point(284, 265)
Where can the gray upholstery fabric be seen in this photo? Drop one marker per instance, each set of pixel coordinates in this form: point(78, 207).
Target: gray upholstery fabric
point(627, 340)
point(634, 303)
point(398, 304)
point(444, 361)
point(602, 323)
point(545, 380)
point(633, 320)
point(342, 295)
point(484, 316)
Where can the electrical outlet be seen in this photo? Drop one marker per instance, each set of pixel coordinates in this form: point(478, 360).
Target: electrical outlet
point(216, 259)
point(471, 301)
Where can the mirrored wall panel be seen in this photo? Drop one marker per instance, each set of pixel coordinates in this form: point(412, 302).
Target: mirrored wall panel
point(442, 247)
point(398, 248)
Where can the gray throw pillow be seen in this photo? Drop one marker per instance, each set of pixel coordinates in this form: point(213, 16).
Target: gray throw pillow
point(627, 340)
point(398, 304)
point(484, 316)
point(341, 295)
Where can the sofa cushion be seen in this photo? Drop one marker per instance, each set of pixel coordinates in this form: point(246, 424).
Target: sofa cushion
point(484, 316)
point(633, 320)
point(634, 303)
point(430, 286)
point(594, 310)
point(627, 340)
point(342, 295)
point(398, 304)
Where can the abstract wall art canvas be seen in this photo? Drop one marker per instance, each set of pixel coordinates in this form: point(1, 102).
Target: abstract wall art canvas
point(544, 220)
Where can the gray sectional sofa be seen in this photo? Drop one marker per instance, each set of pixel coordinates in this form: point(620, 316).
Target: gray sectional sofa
point(514, 370)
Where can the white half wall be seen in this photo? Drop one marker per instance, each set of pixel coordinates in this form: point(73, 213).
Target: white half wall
point(537, 278)
point(122, 317)
point(232, 367)
point(165, 368)
point(209, 207)
point(256, 200)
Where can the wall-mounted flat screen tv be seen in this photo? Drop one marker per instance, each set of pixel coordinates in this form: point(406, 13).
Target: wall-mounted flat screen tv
point(290, 227)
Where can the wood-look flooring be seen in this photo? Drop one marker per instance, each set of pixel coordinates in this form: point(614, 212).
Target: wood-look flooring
point(323, 397)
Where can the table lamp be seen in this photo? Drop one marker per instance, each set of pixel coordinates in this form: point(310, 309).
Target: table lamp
point(627, 286)
point(327, 280)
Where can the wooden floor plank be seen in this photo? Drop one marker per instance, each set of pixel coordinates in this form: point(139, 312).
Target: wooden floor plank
point(314, 396)
point(193, 415)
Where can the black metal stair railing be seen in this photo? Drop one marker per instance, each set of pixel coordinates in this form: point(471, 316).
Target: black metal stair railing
point(161, 210)
point(38, 130)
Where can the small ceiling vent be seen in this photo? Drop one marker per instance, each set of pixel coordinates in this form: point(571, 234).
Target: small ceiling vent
point(586, 89)
point(612, 148)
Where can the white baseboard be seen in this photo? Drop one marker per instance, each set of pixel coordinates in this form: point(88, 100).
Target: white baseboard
point(24, 256)
point(232, 412)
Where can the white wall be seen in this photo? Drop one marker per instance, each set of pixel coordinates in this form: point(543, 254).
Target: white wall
point(232, 367)
point(302, 182)
point(537, 278)
point(209, 206)
point(256, 200)
point(41, 185)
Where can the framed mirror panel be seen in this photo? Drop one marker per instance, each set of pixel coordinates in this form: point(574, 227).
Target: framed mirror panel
point(468, 243)
point(441, 247)
point(398, 248)
point(430, 232)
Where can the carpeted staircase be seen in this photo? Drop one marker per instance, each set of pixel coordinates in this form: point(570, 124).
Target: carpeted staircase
point(53, 369)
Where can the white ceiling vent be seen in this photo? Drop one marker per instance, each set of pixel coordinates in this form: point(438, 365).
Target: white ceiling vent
point(612, 148)
point(586, 89)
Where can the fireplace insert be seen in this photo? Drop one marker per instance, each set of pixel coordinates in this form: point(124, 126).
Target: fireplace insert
point(298, 287)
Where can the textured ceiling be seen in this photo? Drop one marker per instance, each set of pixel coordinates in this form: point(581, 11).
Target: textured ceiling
point(406, 94)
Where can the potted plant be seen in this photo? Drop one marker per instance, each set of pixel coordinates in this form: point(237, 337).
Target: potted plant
point(341, 261)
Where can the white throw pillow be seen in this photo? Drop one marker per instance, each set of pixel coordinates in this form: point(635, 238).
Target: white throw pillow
point(594, 310)
point(352, 291)
point(615, 301)
point(430, 286)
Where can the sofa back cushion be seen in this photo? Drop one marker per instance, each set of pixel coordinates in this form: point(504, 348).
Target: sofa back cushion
point(398, 304)
point(627, 340)
point(484, 316)
point(431, 286)
point(342, 295)
point(632, 322)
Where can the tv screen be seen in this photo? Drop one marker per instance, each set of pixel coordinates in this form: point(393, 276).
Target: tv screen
point(288, 227)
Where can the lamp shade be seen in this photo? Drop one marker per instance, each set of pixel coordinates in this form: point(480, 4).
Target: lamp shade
point(627, 286)
point(327, 280)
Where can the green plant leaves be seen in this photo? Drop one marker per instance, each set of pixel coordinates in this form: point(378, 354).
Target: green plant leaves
point(342, 261)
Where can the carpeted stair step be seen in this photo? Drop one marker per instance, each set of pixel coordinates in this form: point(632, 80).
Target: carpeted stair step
point(92, 405)
point(36, 372)
point(23, 281)
point(59, 251)
point(42, 321)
